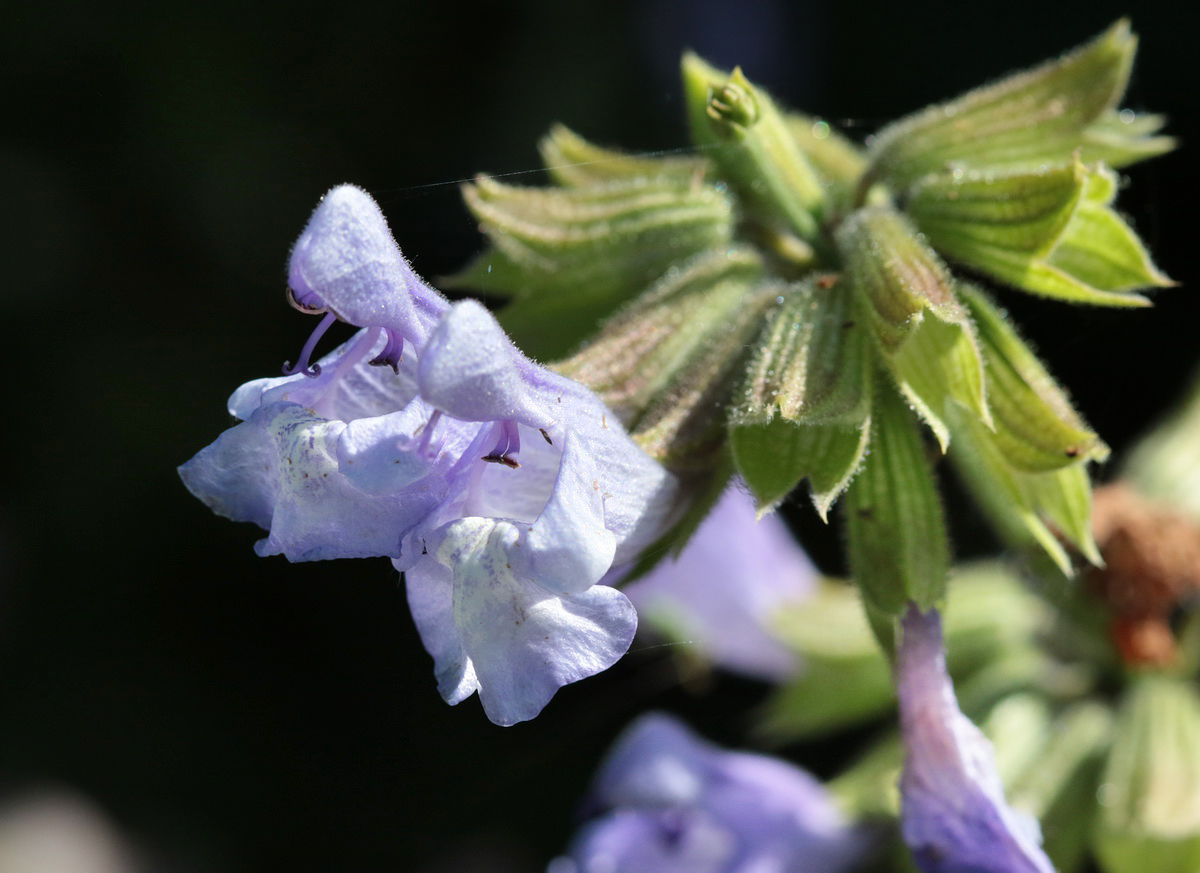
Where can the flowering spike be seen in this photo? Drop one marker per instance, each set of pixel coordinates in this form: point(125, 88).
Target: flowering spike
point(571, 256)
point(775, 457)
point(1029, 509)
point(892, 270)
point(633, 358)
point(838, 162)
point(573, 162)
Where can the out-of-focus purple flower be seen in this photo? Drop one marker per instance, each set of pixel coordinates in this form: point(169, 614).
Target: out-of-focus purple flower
point(953, 813)
point(503, 490)
point(674, 803)
point(726, 586)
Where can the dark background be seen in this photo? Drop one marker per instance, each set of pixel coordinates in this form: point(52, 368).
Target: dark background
point(246, 715)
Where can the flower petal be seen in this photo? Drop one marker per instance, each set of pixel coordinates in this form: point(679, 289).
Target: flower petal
point(568, 549)
point(657, 761)
point(953, 813)
point(471, 370)
point(348, 387)
point(317, 514)
point(748, 812)
point(236, 476)
point(347, 258)
point(661, 841)
point(523, 641)
point(726, 585)
point(430, 588)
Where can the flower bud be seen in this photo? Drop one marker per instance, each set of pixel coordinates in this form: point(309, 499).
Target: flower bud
point(753, 147)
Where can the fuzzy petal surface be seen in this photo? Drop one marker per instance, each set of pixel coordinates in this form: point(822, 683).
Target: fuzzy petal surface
point(522, 641)
point(471, 370)
point(346, 258)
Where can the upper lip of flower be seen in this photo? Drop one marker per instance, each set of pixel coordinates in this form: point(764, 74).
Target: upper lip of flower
point(346, 267)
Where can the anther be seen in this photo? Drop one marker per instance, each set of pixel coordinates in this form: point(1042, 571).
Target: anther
point(392, 352)
point(507, 446)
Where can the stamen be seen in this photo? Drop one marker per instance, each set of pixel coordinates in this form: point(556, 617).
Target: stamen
point(392, 352)
point(507, 446)
point(307, 303)
point(305, 353)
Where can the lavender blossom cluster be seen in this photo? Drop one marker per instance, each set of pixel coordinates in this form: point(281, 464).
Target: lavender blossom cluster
point(502, 490)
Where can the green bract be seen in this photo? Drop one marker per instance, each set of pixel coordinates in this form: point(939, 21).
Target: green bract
point(774, 304)
point(1038, 117)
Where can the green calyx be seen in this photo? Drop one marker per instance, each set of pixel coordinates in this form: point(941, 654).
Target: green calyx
point(752, 146)
point(1029, 119)
point(779, 303)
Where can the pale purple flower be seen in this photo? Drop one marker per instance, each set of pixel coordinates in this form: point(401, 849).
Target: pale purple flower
point(503, 490)
point(674, 803)
point(726, 587)
point(953, 813)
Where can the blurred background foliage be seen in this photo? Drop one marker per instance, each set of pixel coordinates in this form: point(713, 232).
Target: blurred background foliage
point(245, 715)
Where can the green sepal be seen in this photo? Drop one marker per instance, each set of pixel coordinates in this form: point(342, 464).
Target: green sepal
point(813, 361)
point(1028, 510)
point(1039, 116)
point(1036, 428)
point(773, 458)
point(937, 364)
point(1049, 232)
point(572, 256)
point(573, 162)
point(642, 349)
point(686, 420)
point(838, 161)
point(900, 282)
point(1022, 212)
point(1149, 816)
point(1122, 138)
point(898, 546)
point(895, 273)
point(753, 147)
